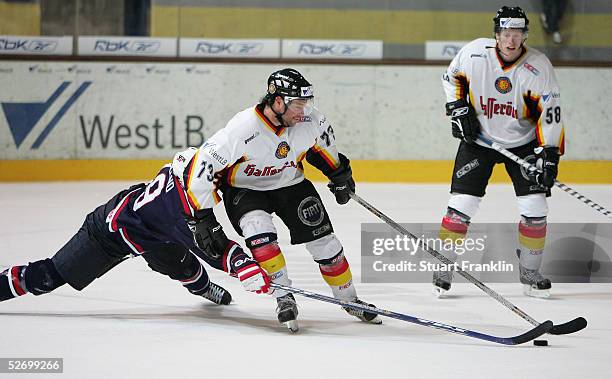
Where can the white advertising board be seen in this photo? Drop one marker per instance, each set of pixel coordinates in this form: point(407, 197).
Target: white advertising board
point(229, 48)
point(81, 110)
point(27, 45)
point(109, 110)
point(332, 49)
point(442, 50)
point(127, 46)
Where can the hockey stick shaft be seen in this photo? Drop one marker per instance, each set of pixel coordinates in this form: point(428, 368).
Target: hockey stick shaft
point(516, 340)
point(531, 168)
point(569, 327)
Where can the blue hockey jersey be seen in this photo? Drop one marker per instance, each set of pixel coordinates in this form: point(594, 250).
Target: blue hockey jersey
point(146, 217)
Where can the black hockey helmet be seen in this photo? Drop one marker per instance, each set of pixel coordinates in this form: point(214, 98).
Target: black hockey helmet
point(510, 18)
point(288, 84)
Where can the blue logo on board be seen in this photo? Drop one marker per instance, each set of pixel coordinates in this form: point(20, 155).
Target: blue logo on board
point(22, 117)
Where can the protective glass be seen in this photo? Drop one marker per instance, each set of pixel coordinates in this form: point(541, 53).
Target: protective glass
point(512, 33)
point(300, 105)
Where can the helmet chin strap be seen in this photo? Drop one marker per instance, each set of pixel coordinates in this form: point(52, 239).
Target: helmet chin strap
point(279, 116)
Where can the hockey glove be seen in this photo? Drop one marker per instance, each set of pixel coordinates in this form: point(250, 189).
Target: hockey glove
point(341, 181)
point(463, 119)
point(252, 277)
point(208, 233)
point(547, 160)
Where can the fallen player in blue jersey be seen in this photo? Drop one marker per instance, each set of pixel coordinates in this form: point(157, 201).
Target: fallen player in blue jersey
point(144, 220)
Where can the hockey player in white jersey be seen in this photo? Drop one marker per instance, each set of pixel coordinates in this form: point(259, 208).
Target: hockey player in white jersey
point(256, 162)
point(508, 92)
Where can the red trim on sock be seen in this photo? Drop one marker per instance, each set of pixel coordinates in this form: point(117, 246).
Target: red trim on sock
point(15, 277)
point(532, 231)
point(454, 225)
point(193, 278)
point(262, 254)
point(336, 269)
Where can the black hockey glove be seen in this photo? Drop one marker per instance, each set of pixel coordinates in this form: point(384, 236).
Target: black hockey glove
point(208, 233)
point(341, 181)
point(464, 122)
point(547, 160)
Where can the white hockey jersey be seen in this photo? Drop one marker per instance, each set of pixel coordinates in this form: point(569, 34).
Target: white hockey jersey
point(514, 104)
point(250, 152)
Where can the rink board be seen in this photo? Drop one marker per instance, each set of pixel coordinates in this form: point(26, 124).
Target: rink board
point(108, 120)
point(364, 170)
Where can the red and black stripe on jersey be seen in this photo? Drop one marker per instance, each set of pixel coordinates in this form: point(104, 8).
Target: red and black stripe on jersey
point(463, 86)
point(533, 107)
point(322, 160)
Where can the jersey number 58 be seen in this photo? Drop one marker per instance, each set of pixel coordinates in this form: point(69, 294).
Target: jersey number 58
point(553, 113)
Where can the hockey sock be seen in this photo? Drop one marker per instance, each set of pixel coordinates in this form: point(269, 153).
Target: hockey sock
point(37, 277)
point(454, 226)
point(198, 283)
point(12, 283)
point(337, 273)
point(452, 232)
point(268, 254)
point(532, 237)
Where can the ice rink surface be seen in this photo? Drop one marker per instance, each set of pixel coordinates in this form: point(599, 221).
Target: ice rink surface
point(135, 323)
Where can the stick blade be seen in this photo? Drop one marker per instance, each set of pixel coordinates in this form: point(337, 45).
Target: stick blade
point(569, 327)
point(534, 333)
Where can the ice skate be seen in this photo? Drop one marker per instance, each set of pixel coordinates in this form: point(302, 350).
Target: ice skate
point(217, 294)
point(364, 316)
point(441, 283)
point(534, 284)
point(287, 312)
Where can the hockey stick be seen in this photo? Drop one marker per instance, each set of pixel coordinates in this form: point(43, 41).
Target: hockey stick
point(531, 168)
point(572, 326)
point(516, 340)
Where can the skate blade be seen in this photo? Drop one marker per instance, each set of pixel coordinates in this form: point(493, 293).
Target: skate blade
point(376, 321)
point(438, 292)
point(533, 292)
point(292, 326)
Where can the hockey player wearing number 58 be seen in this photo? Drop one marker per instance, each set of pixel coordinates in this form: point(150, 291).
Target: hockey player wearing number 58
point(507, 92)
point(256, 162)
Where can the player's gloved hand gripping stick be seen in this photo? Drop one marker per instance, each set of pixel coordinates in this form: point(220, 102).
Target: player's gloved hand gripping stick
point(464, 123)
point(209, 236)
point(341, 182)
point(545, 177)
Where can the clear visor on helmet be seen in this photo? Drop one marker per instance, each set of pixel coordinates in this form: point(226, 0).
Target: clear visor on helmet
point(517, 35)
point(300, 105)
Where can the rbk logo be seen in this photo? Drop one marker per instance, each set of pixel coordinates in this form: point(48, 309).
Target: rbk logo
point(22, 117)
